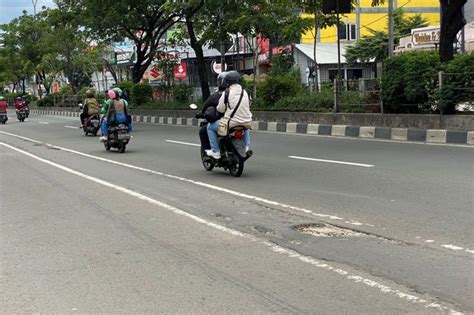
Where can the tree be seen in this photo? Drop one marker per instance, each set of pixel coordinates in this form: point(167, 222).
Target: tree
point(452, 21)
point(142, 21)
point(374, 46)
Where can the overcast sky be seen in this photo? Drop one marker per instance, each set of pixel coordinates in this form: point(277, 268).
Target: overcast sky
point(10, 9)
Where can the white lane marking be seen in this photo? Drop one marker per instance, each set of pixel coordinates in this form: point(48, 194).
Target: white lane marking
point(185, 143)
point(329, 161)
point(202, 184)
point(274, 247)
point(429, 241)
point(43, 122)
point(71, 127)
point(453, 247)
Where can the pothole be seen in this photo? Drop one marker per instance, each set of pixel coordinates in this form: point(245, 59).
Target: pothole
point(326, 230)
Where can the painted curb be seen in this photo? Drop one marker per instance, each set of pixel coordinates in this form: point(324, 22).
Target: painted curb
point(435, 136)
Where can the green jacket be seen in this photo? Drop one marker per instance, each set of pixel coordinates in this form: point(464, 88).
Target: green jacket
point(107, 104)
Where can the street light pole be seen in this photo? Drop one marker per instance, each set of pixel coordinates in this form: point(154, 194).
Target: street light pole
point(338, 41)
point(390, 28)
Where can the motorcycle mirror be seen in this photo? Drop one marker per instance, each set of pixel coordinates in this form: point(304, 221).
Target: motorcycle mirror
point(80, 105)
point(193, 106)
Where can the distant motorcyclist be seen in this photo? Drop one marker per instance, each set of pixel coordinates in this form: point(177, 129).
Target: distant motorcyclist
point(90, 108)
point(228, 102)
point(117, 112)
point(20, 103)
point(209, 111)
point(3, 105)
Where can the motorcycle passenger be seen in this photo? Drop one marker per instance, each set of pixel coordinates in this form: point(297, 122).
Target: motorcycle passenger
point(91, 107)
point(242, 117)
point(209, 111)
point(117, 113)
point(120, 93)
point(27, 108)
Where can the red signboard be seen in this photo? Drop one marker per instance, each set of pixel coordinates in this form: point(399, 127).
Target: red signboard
point(155, 72)
point(180, 71)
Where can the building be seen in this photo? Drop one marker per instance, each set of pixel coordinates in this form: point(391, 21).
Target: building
point(365, 17)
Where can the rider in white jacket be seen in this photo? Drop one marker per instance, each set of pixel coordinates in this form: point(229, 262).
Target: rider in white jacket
point(242, 116)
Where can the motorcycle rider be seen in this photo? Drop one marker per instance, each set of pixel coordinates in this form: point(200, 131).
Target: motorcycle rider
point(20, 105)
point(3, 105)
point(209, 111)
point(91, 107)
point(118, 91)
point(117, 112)
point(242, 117)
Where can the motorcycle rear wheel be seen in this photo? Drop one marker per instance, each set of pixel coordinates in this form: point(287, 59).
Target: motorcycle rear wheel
point(206, 161)
point(237, 167)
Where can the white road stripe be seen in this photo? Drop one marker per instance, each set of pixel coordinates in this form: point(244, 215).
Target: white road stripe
point(71, 127)
point(209, 186)
point(185, 143)
point(329, 161)
point(43, 122)
point(274, 247)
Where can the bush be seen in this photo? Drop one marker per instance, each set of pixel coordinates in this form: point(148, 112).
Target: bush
point(141, 93)
point(274, 88)
point(46, 101)
point(182, 92)
point(320, 102)
point(409, 79)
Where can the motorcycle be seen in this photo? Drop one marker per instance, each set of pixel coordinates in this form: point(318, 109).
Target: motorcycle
point(233, 154)
point(3, 118)
point(21, 114)
point(92, 125)
point(118, 137)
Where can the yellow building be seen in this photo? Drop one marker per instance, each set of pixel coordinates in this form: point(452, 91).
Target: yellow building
point(366, 17)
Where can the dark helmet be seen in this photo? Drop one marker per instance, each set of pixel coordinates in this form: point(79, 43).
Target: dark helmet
point(19, 98)
point(220, 81)
point(231, 77)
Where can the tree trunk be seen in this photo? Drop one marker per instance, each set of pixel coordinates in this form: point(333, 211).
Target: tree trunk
point(315, 63)
point(452, 21)
point(201, 63)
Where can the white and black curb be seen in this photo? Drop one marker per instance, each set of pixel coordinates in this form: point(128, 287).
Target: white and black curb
point(366, 132)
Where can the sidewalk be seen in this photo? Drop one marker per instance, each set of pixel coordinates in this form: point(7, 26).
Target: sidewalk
point(365, 132)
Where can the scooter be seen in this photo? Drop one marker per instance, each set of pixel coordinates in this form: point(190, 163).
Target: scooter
point(118, 137)
point(92, 125)
point(21, 114)
point(3, 118)
point(233, 154)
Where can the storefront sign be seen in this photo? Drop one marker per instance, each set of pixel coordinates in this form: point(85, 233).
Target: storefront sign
point(180, 71)
point(217, 68)
point(426, 37)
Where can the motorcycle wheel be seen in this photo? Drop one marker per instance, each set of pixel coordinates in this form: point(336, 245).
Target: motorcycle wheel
point(107, 146)
point(95, 133)
point(237, 166)
point(122, 147)
point(206, 161)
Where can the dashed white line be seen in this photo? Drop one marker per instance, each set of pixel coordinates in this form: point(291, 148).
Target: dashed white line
point(209, 186)
point(43, 122)
point(453, 247)
point(71, 127)
point(185, 143)
point(275, 248)
point(329, 161)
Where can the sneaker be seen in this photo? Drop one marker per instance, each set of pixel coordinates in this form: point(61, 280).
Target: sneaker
point(215, 155)
point(103, 139)
point(249, 153)
point(247, 148)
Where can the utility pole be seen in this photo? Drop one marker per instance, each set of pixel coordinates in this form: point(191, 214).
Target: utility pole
point(390, 28)
point(34, 5)
point(338, 41)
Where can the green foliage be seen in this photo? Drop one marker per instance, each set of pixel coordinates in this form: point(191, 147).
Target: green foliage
point(141, 93)
point(182, 92)
point(275, 88)
point(409, 80)
point(375, 45)
point(458, 83)
point(126, 86)
point(316, 102)
point(47, 101)
point(282, 64)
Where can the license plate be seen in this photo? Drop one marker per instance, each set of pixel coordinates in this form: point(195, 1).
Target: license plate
point(123, 136)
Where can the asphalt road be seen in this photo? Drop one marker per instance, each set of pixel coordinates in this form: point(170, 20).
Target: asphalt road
point(150, 230)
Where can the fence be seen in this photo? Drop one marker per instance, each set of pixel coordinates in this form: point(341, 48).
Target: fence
point(67, 100)
point(361, 95)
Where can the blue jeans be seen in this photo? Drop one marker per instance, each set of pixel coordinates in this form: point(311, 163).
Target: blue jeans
point(213, 139)
point(119, 118)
